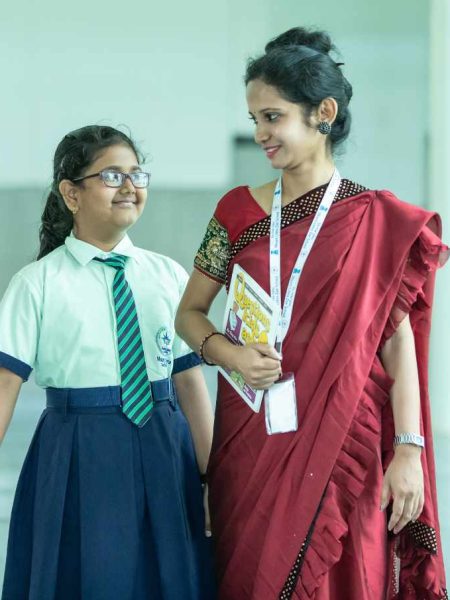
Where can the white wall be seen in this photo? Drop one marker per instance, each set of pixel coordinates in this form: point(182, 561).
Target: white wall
point(173, 73)
point(159, 67)
point(385, 49)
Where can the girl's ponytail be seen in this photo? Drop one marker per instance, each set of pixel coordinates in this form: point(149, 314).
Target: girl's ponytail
point(57, 223)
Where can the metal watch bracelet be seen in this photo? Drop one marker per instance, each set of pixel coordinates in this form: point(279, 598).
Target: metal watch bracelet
point(409, 438)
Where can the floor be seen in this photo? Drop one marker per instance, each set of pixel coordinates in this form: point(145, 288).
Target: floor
point(25, 418)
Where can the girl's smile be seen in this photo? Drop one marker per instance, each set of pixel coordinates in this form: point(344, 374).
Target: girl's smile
point(125, 202)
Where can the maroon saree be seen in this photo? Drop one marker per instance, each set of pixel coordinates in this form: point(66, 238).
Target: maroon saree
point(297, 515)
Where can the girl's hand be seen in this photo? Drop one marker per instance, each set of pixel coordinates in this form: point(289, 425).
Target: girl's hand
point(206, 508)
point(259, 364)
point(403, 481)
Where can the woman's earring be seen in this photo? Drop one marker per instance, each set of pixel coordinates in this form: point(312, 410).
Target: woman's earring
point(324, 128)
point(74, 210)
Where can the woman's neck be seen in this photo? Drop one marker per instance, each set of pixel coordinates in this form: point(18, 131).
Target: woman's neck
point(306, 177)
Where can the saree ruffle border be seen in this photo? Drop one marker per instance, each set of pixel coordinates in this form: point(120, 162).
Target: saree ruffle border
point(345, 486)
point(409, 576)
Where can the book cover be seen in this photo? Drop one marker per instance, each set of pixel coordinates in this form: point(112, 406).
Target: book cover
point(251, 316)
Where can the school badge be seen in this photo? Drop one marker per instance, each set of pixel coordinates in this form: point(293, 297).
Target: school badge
point(164, 343)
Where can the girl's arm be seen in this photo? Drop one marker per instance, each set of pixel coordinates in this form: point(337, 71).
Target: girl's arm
point(403, 479)
point(195, 403)
point(258, 363)
point(10, 385)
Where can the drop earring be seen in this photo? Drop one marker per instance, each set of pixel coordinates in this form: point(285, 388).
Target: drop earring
point(324, 128)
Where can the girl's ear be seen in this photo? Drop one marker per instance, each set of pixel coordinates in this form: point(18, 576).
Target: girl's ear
point(69, 194)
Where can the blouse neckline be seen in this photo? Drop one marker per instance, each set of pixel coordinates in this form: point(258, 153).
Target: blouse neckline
point(295, 200)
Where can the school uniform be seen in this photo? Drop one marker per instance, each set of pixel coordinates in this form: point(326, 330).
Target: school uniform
point(104, 508)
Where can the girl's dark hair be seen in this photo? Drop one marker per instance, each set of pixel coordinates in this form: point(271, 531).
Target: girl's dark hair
point(298, 64)
point(74, 154)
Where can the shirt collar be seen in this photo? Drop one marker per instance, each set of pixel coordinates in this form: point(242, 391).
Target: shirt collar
point(84, 252)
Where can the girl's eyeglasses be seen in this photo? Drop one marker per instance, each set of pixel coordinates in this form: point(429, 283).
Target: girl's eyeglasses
point(116, 179)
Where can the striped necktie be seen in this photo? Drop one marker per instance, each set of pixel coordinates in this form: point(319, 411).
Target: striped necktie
point(137, 401)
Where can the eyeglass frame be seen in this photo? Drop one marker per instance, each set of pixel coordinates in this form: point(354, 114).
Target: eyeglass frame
point(125, 176)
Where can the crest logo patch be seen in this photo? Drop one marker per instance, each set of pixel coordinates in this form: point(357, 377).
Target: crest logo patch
point(164, 340)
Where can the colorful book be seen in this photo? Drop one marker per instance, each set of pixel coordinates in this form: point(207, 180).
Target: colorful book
point(250, 316)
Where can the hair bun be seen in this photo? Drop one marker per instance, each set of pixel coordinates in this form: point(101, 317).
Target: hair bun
point(299, 36)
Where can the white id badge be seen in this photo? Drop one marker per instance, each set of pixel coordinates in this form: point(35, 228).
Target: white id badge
point(281, 406)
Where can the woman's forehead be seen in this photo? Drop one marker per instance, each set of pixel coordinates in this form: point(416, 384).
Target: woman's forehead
point(262, 96)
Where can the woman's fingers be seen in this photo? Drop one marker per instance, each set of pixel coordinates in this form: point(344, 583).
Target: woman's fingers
point(271, 371)
point(407, 508)
point(415, 507)
point(397, 511)
point(385, 494)
point(265, 377)
point(259, 365)
point(266, 362)
point(267, 365)
point(267, 350)
point(419, 507)
point(407, 515)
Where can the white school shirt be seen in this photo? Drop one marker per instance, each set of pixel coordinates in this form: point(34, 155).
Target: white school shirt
point(57, 316)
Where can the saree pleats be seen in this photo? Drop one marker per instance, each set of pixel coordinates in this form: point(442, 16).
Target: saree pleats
point(291, 512)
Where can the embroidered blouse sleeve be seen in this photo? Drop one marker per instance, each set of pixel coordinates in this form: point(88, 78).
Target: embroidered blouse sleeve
point(20, 322)
point(213, 255)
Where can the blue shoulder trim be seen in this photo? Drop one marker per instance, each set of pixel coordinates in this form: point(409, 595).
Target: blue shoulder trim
point(15, 366)
point(185, 362)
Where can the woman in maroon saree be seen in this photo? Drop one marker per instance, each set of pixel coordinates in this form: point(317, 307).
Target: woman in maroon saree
point(297, 515)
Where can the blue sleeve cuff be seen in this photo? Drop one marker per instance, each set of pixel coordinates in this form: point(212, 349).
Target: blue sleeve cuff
point(185, 362)
point(15, 366)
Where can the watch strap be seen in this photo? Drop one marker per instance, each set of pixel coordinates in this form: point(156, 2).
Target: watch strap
point(409, 438)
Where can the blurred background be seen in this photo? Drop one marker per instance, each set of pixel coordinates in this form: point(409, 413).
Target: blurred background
point(173, 74)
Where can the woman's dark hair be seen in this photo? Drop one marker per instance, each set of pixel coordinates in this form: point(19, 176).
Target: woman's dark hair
point(74, 154)
point(298, 64)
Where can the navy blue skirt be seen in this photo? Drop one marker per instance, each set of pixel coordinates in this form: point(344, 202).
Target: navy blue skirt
point(107, 510)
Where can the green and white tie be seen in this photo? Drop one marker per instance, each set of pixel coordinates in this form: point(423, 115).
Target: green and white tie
point(137, 400)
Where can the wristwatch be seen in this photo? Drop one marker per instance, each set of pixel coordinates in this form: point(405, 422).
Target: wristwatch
point(409, 438)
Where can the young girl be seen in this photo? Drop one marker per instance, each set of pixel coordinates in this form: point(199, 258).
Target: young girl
point(297, 514)
point(109, 501)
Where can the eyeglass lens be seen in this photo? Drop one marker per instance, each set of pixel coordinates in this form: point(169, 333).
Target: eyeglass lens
point(116, 179)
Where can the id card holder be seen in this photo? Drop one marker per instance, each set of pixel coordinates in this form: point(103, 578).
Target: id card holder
point(281, 406)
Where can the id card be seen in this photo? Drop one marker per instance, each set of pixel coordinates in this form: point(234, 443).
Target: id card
point(281, 406)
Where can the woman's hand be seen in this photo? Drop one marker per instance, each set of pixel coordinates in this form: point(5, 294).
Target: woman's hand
point(259, 364)
point(403, 481)
point(206, 508)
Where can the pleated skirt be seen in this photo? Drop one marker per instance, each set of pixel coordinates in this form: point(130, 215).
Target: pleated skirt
point(105, 510)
